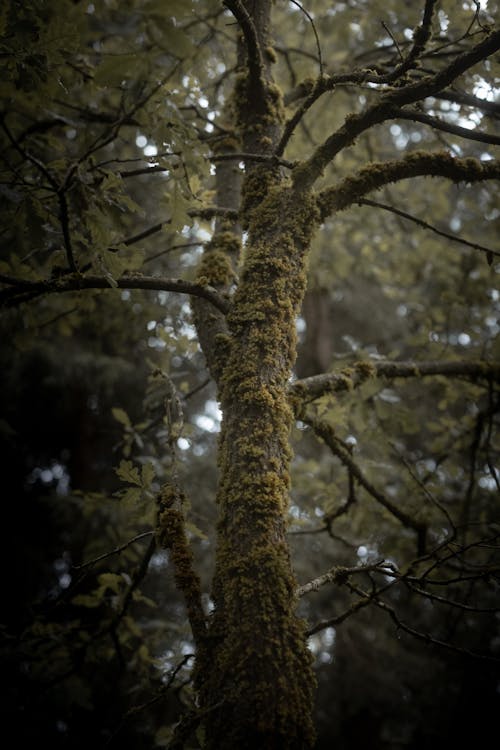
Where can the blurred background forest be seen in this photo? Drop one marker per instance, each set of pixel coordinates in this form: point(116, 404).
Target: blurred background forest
point(120, 103)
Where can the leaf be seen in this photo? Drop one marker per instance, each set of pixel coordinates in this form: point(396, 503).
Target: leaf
point(121, 416)
point(131, 497)
point(195, 531)
point(163, 736)
point(110, 581)
point(194, 184)
point(128, 472)
point(86, 600)
point(138, 596)
point(179, 206)
point(147, 475)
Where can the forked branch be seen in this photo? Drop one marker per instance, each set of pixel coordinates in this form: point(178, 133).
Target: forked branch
point(308, 172)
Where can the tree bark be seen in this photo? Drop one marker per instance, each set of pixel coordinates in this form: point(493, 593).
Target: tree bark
point(255, 678)
point(257, 681)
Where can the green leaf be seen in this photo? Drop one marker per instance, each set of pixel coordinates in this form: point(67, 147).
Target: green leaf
point(195, 531)
point(128, 472)
point(87, 600)
point(121, 416)
point(147, 475)
point(110, 581)
point(131, 497)
point(179, 206)
point(138, 596)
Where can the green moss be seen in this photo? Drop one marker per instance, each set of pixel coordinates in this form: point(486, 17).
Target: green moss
point(365, 370)
point(256, 187)
point(216, 267)
point(344, 381)
point(226, 144)
point(271, 55)
point(259, 660)
point(256, 111)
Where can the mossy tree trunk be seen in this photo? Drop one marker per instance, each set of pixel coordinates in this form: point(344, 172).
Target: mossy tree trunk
point(255, 676)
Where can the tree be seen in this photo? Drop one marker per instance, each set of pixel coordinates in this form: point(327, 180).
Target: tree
point(267, 130)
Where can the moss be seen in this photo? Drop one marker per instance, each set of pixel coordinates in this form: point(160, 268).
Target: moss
point(226, 144)
point(258, 670)
point(216, 267)
point(305, 87)
point(344, 381)
point(256, 112)
point(271, 55)
point(365, 370)
point(256, 187)
point(254, 584)
point(171, 535)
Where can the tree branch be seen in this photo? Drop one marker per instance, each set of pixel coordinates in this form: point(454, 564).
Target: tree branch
point(313, 90)
point(115, 551)
point(23, 290)
point(327, 434)
point(308, 172)
point(363, 602)
point(416, 633)
point(425, 225)
point(447, 127)
point(336, 382)
point(171, 535)
point(337, 575)
point(58, 189)
point(416, 164)
point(242, 156)
point(469, 100)
point(255, 63)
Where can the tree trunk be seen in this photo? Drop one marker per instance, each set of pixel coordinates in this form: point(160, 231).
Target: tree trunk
point(255, 678)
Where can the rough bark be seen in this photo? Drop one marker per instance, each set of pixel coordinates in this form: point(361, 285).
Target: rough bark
point(259, 677)
point(255, 677)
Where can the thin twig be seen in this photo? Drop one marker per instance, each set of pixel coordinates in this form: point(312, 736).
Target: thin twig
point(426, 225)
point(115, 551)
point(310, 19)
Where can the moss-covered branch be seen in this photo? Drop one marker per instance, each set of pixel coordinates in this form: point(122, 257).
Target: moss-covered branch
point(416, 164)
point(171, 535)
point(308, 172)
point(349, 378)
point(22, 290)
point(254, 55)
point(338, 575)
